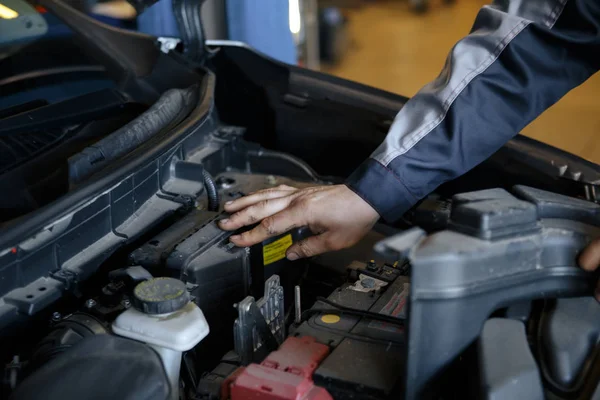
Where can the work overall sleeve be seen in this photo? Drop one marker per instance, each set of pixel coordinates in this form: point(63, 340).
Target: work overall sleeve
point(519, 59)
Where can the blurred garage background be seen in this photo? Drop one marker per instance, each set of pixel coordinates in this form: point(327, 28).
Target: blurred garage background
point(396, 45)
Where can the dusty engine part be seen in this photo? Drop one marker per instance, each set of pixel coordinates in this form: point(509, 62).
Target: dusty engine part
point(260, 327)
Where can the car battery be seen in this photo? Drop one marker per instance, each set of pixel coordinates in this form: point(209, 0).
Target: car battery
point(331, 329)
point(394, 303)
point(379, 345)
point(198, 252)
point(218, 273)
point(269, 258)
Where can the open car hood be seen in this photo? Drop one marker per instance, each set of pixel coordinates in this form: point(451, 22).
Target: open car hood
point(219, 121)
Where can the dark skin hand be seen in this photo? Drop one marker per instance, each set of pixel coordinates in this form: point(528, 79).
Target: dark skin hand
point(589, 260)
point(337, 216)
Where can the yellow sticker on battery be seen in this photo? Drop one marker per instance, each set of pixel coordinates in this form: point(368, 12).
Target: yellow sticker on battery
point(275, 251)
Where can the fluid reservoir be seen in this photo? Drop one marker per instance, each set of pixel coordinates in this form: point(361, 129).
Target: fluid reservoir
point(163, 317)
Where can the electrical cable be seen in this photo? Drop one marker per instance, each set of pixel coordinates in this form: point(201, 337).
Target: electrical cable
point(363, 338)
point(211, 191)
point(366, 314)
point(297, 162)
point(288, 158)
point(356, 313)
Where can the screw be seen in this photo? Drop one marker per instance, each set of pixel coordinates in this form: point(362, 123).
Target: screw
point(126, 303)
point(56, 316)
point(297, 305)
point(90, 303)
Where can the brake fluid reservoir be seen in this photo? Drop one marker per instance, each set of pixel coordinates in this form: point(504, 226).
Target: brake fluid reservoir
point(164, 317)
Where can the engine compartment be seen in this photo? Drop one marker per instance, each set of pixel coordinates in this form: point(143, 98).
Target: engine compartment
point(471, 306)
point(474, 294)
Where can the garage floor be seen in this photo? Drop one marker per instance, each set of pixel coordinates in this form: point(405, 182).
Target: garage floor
point(396, 50)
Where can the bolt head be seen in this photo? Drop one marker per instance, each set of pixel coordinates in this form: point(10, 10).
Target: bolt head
point(90, 303)
point(371, 266)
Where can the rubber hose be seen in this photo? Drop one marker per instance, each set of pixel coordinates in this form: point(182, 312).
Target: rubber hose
point(211, 191)
point(312, 175)
point(299, 163)
point(172, 108)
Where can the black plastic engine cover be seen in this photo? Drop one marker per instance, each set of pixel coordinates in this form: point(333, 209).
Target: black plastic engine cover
point(368, 356)
point(507, 367)
point(569, 330)
point(500, 249)
point(198, 252)
point(98, 368)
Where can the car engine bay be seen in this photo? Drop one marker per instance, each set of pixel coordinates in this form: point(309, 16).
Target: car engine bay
point(116, 281)
point(409, 312)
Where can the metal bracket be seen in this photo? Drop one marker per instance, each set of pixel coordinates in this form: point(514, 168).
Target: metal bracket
point(69, 278)
point(260, 327)
point(271, 307)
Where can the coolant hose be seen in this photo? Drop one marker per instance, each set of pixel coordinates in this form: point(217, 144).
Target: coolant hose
point(298, 163)
point(211, 191)
point(310, 173)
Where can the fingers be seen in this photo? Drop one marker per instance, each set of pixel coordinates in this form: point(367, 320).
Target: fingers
point(589, 259)
point(254, 213)
point(273, 225)
point(267, 194)
point(312, 246)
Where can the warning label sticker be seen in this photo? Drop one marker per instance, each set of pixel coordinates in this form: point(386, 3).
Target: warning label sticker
point(396, 307)
point(275, 251)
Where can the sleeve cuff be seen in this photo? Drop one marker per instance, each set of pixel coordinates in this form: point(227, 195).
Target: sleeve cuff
point(382, 189)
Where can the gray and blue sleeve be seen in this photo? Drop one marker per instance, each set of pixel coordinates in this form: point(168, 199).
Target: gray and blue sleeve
point(519, 59)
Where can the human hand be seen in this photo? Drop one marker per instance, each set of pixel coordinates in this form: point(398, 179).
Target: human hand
point(589, 260)
point(337, 216)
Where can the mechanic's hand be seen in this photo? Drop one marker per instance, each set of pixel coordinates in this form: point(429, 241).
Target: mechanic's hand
point(589, 260)
point(337, 216)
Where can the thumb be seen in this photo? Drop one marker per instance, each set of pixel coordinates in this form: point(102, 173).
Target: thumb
point(309, 247)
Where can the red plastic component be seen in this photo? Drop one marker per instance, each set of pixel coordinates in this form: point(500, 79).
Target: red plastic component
point(298, 356)
point(286, 374)
point(228, 382)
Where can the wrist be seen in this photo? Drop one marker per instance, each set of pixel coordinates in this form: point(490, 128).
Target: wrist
point(379, 187)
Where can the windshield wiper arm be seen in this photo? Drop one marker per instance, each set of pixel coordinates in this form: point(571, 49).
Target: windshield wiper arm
point(72, 111)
